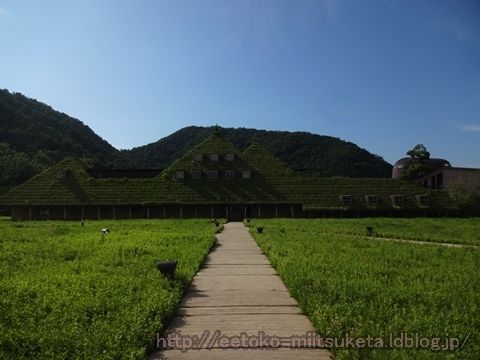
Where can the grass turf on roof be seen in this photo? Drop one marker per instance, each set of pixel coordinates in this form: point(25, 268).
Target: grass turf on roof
point(214, 144)
point(264, 162)
point(271, 182)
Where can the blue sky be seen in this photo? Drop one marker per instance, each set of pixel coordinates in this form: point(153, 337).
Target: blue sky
point(385, 75)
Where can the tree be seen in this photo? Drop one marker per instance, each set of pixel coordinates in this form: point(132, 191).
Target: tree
point(419, 151)
point(15, 168)
point(418, 166)
point(468, 201)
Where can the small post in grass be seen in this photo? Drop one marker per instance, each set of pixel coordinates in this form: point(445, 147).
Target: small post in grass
point(369, 230)
point(167, 267)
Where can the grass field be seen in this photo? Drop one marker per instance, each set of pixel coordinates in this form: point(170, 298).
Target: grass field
point(446, 230)
point(67, 292)
point(353, 285)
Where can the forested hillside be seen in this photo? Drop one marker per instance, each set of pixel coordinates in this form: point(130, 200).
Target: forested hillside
point(34, 136)
point(308, 153)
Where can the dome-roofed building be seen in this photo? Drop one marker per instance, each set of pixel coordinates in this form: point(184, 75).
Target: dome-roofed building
point(441, 174)
point(402, 164)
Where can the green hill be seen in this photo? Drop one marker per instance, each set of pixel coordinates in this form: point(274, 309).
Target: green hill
point(33, 136)
point(307, 153)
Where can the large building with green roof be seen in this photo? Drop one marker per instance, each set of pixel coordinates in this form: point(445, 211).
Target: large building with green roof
point(215, 180)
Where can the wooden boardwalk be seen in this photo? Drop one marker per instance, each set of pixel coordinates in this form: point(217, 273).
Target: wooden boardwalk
point(237, 291)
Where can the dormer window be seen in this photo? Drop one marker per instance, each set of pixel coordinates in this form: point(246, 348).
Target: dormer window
point(371, 199)
point(229, 174)
point(230, 157)
point(346, 200)
point(179, 174)
point(397, 200)
point(423, 200)
point(213, 174)
point(198, 157)
point(213, 157)
point(246, 174)
point(61, 174)
point(196, 174)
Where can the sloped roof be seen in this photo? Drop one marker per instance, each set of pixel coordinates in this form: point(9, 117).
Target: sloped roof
point(214, 144)
point(272, 182)
point(267, 164)
point(47, 188)
point(434, 163)
point(325, 192)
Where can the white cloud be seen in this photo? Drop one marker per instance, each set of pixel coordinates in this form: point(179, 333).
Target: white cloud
point(4, 12)
point(470, 127)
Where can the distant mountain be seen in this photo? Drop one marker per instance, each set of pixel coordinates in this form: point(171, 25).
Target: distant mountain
point(30, 126)
point(34, 136)
point(309, 154)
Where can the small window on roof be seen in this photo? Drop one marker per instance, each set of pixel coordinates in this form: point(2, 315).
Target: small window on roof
point(346, 199)
point(246, 174)
point(198, 157)
point(423, 200)
point(229, 174)
point(213, 157)
point(230, 157)
point(213, 174)
point(179, 174)
point(61, 174)
point(398, 200)
point(371, 199)
point(196, 174)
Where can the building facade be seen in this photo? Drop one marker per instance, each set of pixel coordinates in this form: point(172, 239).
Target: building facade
point(442, 175)
point(215, 180)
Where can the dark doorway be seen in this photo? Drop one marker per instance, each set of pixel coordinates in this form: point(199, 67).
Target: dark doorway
point(235, 213)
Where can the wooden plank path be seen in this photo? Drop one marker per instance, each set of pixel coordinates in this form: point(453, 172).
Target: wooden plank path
point(237, 291)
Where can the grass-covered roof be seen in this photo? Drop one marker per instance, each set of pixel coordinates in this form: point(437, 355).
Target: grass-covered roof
point(68, 183)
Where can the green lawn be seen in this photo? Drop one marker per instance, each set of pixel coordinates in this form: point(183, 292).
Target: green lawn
point(447, 230)
point(67, 292)
point(355, 285)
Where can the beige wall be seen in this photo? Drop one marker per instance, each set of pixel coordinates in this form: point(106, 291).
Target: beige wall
point(469, 179)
